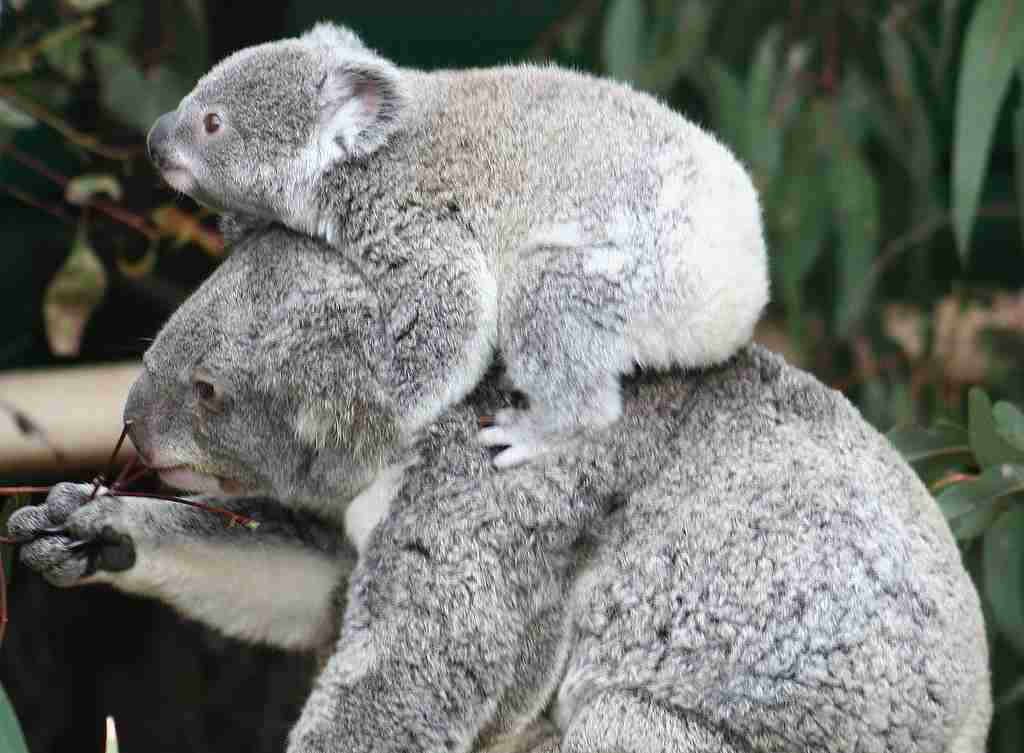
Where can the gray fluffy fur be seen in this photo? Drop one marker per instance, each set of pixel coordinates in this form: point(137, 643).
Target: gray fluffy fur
point(574, 224)
point(740, 564)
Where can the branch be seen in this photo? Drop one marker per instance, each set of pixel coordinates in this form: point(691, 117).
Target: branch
point(72, 134)
point(124, 216)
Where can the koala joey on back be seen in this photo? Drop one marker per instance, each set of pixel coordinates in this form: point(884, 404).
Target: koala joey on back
point(577, 226)
point(741, 564)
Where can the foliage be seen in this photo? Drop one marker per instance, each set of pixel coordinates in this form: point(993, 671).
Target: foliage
point(80, 84)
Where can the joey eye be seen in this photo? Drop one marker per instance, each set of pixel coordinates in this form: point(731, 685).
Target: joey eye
point(211, 122)
point(203, 390)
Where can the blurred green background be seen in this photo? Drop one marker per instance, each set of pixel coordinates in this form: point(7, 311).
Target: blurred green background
point(886, 138)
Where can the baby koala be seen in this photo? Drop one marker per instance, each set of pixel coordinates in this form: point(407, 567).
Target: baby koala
point(575, 225)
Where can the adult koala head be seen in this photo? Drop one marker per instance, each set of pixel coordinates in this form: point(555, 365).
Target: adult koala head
point(267, 380)
point(263, 124)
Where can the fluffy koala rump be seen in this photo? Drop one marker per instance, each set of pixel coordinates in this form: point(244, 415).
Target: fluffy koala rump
point(742, 562)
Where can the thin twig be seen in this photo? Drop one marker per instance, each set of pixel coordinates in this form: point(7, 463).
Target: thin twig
point(27, 198)
point(102, 478)
point(233, 517)
point(10, 491)
point(72, 134)
point(949, 480)
point(122, 215)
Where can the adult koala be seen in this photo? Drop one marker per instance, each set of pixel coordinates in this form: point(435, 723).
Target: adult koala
point(741, 564)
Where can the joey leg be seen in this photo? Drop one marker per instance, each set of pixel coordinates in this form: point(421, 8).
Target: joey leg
point(561, 328)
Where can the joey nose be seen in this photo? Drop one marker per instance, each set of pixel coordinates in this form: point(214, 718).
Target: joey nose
point(157, 138)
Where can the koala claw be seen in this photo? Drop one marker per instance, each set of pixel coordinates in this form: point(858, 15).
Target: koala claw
point(513, 429)
point(69, 537)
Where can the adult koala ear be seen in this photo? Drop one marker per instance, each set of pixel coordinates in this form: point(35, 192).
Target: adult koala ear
point(361, 96)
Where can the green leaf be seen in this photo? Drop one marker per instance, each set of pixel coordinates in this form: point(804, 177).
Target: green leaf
point(81, 189)
point(1003, 575)
point(135, 99)
point(992, 47)
point(763, 135)
point(188, 40)
point(972, 506)
point(72, 295)
point(12, 117)
point(66, 57)
point(87, 6)
point(798, 208)
point(686, 28)
point(1018, 149)
point(624, 40)
point(944, 442)
point(728, 105)
point(1009, 423)
point(917, 134)
point(1011, 697)
point(12, 739)
point(989, 446)
point(855, 198)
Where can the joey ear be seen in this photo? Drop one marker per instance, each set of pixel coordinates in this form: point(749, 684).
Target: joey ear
point(361, 105)
point(332, 35)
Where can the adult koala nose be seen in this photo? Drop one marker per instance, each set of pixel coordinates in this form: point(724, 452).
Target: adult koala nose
point(136, 409)
point(156, 141)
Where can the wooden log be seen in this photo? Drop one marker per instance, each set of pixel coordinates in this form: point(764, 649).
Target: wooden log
point(62, 422)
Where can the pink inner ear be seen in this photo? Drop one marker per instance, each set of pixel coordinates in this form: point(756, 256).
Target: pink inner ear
point(365, 92)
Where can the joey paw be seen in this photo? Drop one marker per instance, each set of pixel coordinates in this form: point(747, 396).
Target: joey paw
point(519, 433)
point(70, 536)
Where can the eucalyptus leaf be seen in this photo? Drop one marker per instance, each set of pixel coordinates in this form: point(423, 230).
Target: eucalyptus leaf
point(918, 151)
point(12, 117)
point(12, 739)
point(1009, 423)
point(624, 40)
point(1018, 148)
point(799, 210)
point(728, 106)
point(87, 6)
point(988, 445)
point(1003, 575)
point(972, 506)
point(134, 98)
point(67, 57)
point(943, 442)
point(857, 205)
point(992, 48)
point(71, 297)
point(763, 138)
point(81, 189)
point(688, 25)
point(189, 40)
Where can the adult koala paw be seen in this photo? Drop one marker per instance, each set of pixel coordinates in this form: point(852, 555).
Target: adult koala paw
point(70, 537)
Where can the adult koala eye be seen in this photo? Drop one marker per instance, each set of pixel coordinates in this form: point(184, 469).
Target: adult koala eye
point(212, 123)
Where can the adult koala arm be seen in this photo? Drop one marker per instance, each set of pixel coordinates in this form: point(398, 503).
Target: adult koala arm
point(275, 584)
point(455, 613)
